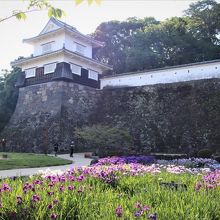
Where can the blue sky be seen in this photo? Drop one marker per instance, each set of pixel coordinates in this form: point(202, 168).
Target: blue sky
point(85, 18)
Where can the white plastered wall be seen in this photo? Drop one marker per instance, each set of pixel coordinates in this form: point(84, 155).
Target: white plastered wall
point(83, 64)
point(58, 42)
point(172, 75)
point(51, 26)
point(42, 62)
point(60, 58)
point(70, 45)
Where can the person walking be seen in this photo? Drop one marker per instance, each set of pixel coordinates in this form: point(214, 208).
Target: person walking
point(3, 144)
point(72, 145)
point(56, 147)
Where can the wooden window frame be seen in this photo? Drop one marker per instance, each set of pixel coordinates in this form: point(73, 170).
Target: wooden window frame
point(90, 75)
point(79, 74)
point(83, 46)
point(34, 68)
point(45, 73)
point(48, 51)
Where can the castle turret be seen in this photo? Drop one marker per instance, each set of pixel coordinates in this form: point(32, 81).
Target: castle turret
point(58, 89)
point(61, 53)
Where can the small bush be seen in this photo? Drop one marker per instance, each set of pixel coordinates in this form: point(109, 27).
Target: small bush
point(204, 153)
point(108, 141)
point(217, 158)
point(162, 156)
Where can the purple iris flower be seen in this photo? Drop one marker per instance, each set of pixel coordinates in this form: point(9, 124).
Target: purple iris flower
point(119, 211)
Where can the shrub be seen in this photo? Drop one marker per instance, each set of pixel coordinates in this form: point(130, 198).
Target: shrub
point(108, 141)
point(162, 156)
point(204, 153)
point(217, 157)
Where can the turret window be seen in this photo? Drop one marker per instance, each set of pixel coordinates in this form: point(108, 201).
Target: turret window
point(80, 48)
point(49, 68)
point(75, 69)
point(30, 73)
point(93, 75)
point(46, 48)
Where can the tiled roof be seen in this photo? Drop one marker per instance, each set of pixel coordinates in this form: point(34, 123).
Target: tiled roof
point(68, 27)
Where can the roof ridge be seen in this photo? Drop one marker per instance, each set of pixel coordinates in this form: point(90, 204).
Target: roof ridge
point(64, 23)
point(65, 26)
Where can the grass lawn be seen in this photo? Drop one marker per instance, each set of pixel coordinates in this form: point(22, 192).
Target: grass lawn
point(24, 160)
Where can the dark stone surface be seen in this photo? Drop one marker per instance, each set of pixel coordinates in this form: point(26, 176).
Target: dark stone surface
point(48, 113)
point(170, 118)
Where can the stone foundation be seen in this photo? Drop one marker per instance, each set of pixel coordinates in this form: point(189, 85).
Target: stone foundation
point(174, 118)
point(48, 113)
point(171, 118)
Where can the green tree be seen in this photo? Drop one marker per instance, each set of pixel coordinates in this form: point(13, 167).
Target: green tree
point(8, 95)
point(139, 44)
point(117, 38)
point(166, 44)
point(106, 140)
point(204, 20)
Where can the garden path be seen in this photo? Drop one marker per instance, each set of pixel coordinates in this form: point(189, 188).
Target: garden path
point(78, 161)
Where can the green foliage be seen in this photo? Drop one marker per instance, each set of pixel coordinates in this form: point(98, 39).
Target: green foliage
point(20, 15)
point(24, 160)
point(56, 12)
point(204, 153)
point(37, 5)
point(204, 20)
point(107, 140)
point(117, 37)
point(95, 200)
point(166, 44)
point(138, 44)
point(8, 95)
point(89, 1)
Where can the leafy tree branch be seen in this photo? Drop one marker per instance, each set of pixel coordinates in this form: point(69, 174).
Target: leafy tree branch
point(39, 5)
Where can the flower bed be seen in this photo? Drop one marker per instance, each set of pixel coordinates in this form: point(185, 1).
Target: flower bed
point(114, 191)
point(190, 162)
point(128, 159)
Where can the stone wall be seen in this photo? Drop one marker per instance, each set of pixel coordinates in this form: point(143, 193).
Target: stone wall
point(47, 113)
point(178, 117)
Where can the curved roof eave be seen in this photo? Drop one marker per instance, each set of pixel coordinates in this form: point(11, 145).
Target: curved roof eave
point(28, 59)
point(70, 30)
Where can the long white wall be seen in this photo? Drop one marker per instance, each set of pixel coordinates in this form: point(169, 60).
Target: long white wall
point(171, 75)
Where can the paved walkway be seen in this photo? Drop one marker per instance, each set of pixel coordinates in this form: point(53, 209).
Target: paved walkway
point(78, 161)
